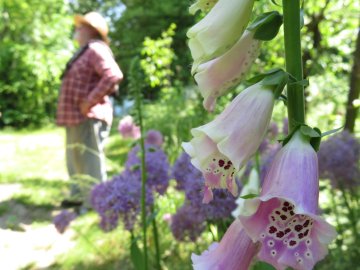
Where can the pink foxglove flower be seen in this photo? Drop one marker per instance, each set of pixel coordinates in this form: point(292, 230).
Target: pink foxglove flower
point(234, 252)
point(284, 218)
point(219, 29)
point(128, 129)
point(221, 147)
point(203, 5)
point(218, 75)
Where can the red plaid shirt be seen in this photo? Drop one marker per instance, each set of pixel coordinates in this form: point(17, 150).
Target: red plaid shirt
point(92, 77)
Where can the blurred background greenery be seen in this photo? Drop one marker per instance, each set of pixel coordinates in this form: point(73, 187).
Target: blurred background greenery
point(36, 42)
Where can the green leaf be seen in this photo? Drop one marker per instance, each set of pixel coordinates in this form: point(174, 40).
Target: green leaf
point(331, 131)
point(266, 26)
point(276, 81)
point(262, 266)
point(249, 196)
point(308, 131)
point(137, 257)
point(302, 83)
point(261, 76)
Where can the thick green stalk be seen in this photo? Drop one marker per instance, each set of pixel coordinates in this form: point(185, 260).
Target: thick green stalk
point(295, 92)
point(143, 179)
point(156, 238)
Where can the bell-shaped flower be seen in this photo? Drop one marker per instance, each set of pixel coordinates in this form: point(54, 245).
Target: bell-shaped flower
point(234, 252)
point(219, 29)
point(221, 147)
point(284, 218)
point(218, 75)
point(203, 5)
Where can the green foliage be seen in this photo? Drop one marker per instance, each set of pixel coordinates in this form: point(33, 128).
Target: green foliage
point(33, 52)
point(157, 59)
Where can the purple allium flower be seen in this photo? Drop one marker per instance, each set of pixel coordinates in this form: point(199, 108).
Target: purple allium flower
point(154, 137)
point(117, 199)
point(128, 129)
point(188, 223)
point(183, 171)
point(273, 130)
point(235, 251)
point(284, 218)
point(221, 206)
point(339, 160)
point(63, 220)
point(222, 147)
point(157, 167)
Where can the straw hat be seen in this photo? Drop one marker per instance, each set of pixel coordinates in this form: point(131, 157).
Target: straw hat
point(96, 21)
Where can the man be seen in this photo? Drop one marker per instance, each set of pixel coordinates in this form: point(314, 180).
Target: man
point(84, 107)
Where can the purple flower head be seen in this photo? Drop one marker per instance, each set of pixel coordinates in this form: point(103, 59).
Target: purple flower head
point(188, 223)
point(273, 130)
point(220, 148)
point(235, 251)
point(184, 172)
point(221, 206)
point(128, 129)
point(339, 160)
point(118, 199)
point(157, 167)
point(154, 137)
point(63, 220)
point(284, 218)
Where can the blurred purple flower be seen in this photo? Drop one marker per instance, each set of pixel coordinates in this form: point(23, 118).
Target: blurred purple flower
point(183, 171)
point(128, 129)
point(339, 160)
point(188, 223)
point(154, 137)
point(117, 199)
point(63, 220)
point(273, 130)
point(157, 167)
point(191, 181)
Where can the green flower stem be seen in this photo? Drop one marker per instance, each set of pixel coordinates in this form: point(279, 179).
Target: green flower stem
point(143, 178)
point(156, 238)
point(295, 92)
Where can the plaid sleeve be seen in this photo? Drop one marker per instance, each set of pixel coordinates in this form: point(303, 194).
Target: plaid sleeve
point(108, 70)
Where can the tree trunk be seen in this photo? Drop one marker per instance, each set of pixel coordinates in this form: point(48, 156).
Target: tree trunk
point(351, 110)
